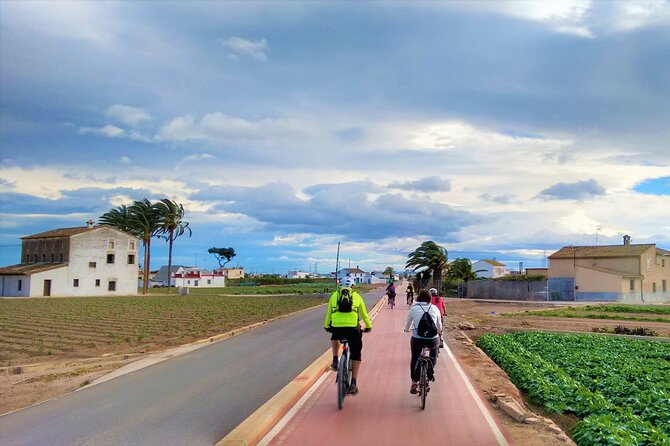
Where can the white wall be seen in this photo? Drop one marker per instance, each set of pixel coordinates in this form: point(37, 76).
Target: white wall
point(9, 286)
point(200, 282)
point(58, 279)
point(93, 246)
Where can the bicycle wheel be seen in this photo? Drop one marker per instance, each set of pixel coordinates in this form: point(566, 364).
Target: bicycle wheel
point(342, 381)
point(423, 384)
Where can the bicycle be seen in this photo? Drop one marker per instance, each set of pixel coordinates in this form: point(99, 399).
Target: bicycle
point(391, 300)
point(343, 378)
point(410, 298)
point(426, 374)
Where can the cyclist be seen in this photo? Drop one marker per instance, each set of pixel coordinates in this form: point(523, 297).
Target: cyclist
point(390, 291)
point(343, 324)
point(436, 300)
point(417, 343)
point(410, 293)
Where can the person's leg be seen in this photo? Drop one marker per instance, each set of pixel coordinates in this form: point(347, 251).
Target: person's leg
point(355, 366)
point(415, 348)
point(335, 346)
point(356, 345)
point(433, 344)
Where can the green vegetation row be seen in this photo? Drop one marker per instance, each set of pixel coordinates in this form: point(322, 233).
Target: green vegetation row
point(601, 312)
point(275, 280)
point(620, 388)
point(313, 288)
point(53, 327)
point(652, 309)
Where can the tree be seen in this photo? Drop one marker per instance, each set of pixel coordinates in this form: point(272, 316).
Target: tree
point(389, 272)
point(118, 218)
point(172, 224)
point(461, 269)
point(429, 256)
point(222, 253)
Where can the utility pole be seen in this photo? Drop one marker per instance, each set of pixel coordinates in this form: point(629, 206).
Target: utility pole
point(598, 229)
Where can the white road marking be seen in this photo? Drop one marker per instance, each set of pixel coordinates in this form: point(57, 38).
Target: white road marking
point(492, 424)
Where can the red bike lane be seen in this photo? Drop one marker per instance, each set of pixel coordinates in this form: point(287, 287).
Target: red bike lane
point(384, 412)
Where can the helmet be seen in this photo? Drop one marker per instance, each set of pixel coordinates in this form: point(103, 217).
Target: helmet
point(346, 282)
point(433, 292)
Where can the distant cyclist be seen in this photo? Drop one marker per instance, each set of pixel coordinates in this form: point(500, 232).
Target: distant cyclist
point(345, 308)
point(436, 300)
point(410, 293)
point(390, 291)
point(418, 342)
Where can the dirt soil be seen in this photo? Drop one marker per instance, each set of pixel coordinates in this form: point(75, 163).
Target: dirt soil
point(32, 383)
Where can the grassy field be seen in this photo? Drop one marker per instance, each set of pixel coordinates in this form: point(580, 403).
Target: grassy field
point(38, 329)
point(642, 313)
point(619, 388)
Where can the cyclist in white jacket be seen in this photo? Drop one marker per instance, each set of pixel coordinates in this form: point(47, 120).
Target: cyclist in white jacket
point(417, 342)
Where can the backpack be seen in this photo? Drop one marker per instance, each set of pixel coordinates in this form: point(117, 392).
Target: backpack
point(426, 327)
point(345, 300)
point(392, 289)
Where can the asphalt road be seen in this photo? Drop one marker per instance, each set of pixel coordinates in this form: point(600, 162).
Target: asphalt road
point(194, 399)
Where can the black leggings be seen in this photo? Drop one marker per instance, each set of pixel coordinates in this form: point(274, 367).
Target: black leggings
point(355, 338)
point(416, 346)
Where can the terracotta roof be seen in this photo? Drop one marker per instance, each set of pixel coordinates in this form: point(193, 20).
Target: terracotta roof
point(492, 262)
point(62, 232)
point(26, 269)
point(569, 252)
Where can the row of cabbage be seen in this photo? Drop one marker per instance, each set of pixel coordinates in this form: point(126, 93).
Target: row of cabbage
point(618, 387)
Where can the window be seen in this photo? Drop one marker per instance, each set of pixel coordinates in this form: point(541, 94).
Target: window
point(75, 283)
point(19, 285)
point(110, 258)
point(188, 282)
point(111, 285)
point(653, 287)
point(209, 282)
point(44, 257)
point(110, 244)
point(131, 245)
point(53, 258)
point(61, 258)
point(131, 259)
point(97, 282)
point(664, 285)
point(632, 284)
point(92, 264)
point(35, 259)
point(196, 283)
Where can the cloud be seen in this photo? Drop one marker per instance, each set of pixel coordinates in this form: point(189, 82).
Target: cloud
point(356, 215)
point(500, 198)
point(125, 160)
point(110, 131)
point(428, 184)
point(128, 115)
point(254, 49)
point(573, 191)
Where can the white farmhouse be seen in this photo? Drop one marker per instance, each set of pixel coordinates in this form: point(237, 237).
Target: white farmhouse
point(82, 261)
point(492, 268)
point(197, 278)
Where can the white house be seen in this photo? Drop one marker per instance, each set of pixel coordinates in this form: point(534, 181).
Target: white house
point(492, 268)
point(82, 261)
point(197, 278)
point(295, 274)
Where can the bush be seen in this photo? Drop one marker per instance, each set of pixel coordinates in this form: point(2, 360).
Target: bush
point(522, 278)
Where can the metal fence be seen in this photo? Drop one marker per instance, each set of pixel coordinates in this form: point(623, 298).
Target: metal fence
point(504, 290)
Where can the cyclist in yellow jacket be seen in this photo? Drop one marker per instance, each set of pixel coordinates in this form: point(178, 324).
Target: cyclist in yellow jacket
point(345, 308)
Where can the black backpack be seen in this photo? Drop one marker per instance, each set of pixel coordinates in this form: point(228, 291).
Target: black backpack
point(426, 327)
point(345, 300)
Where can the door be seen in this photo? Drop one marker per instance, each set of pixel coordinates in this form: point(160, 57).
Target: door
point(47, 287)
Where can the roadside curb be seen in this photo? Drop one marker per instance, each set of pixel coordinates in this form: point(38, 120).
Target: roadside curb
point(259, 423)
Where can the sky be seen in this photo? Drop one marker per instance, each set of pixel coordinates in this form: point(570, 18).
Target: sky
point(500, 130)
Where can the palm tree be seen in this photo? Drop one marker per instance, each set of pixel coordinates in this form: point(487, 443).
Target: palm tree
point(145, 219)
point(461, 269)
point(171, 223)
point(118, 218)
point(429, 256)
point(389, 272)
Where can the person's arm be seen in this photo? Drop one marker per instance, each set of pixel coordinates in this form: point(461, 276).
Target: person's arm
point(326, 323)
point(438, 318)
point(408, 321)
point(363, 312)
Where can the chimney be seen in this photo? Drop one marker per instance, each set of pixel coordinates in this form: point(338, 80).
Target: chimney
point(89, 223)
point(626, 240)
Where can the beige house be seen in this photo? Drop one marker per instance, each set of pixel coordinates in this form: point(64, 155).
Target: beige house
point(231, 273)
point(623, 273)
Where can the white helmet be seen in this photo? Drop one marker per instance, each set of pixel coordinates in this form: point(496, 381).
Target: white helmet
point(433, 292)
point(346, 282)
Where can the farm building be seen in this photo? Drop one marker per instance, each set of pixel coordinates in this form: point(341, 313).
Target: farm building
point(81, 261)
point(197, 278)
point(626, 273)
point(492, 269)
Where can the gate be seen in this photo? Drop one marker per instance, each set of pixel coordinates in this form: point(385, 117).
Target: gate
point(561, 288)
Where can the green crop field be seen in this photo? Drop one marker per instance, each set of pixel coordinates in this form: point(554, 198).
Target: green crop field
point(36, 329)
point(619, 388)
point(643, 313)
